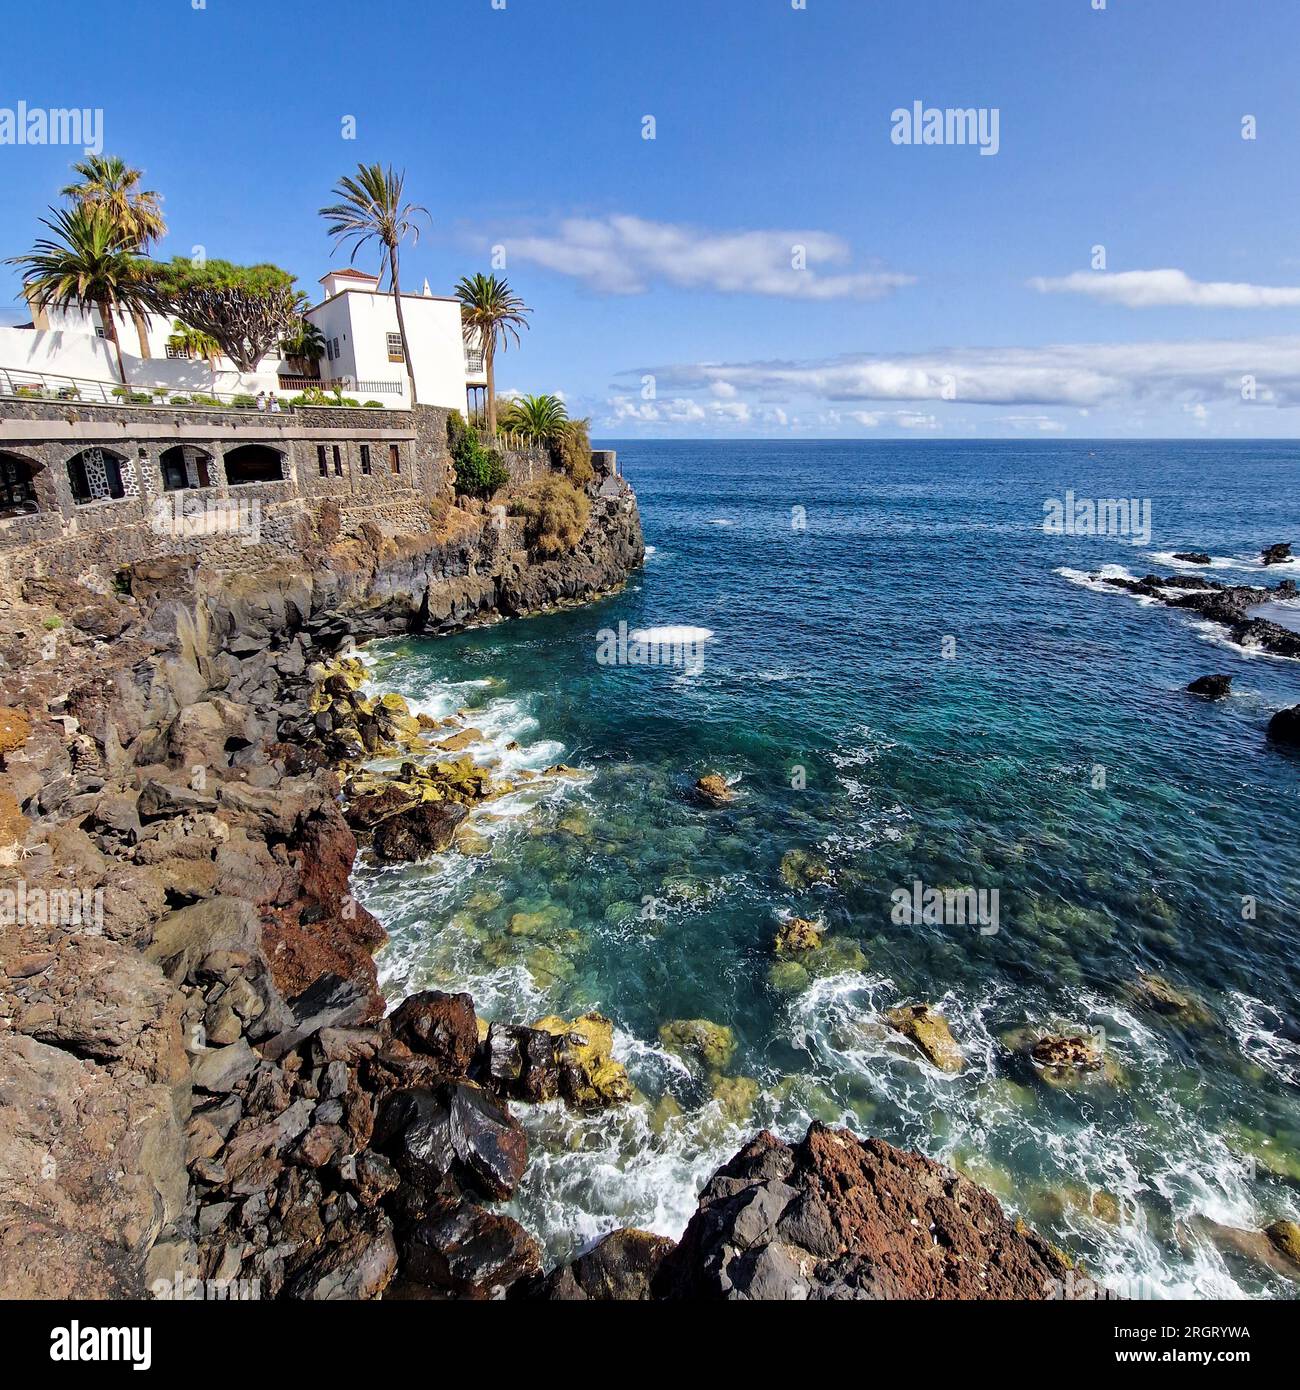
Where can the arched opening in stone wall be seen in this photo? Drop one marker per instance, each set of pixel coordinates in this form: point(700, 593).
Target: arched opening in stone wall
point(96, 474)
point(184, 466)
point(254, 463)
point(17, 485)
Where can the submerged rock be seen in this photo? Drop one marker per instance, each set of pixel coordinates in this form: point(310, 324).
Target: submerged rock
point(1158, 994)
point(713, 790)
point(699, 1039)
point(800, 868)
point(1192, 557)
point(1211, 687)
point(837, 1217)
point(1066, 1060)
point(929, 1030)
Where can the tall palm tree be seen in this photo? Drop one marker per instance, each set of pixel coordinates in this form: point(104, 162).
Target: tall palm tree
point(305, 345)
point(111, 183)
point(370, 207)
point(87, 262)
point(490, 314)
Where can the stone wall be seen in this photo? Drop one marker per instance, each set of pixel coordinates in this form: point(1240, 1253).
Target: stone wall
point(385, 467)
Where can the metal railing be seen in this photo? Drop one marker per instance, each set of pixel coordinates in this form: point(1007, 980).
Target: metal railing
point(473, 361)
point(24, 385)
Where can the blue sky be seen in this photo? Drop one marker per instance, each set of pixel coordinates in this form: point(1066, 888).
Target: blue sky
point(947, 293)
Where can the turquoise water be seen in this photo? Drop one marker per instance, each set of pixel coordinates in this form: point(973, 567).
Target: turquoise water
point(950, 683)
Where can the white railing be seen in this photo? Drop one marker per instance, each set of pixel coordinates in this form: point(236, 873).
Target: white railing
point(473, 362)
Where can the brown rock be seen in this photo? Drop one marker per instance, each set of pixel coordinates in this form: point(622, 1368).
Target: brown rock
point(837, 1217)
point(440, 1026)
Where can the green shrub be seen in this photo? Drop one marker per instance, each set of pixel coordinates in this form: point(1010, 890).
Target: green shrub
point(31, 393)
point(204, 400)
point(373, 405)
point(479, 470)
point(51, 624)
point(242, 402)
point(557, 514)
point(179, 400)
point(571, 452)
point(129, 397)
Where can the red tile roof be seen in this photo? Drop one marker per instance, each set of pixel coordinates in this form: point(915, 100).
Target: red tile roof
point(349, 274)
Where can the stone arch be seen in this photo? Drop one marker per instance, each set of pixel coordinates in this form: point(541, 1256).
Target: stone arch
point(96, 475)
point(184, 466)
point(18, 485)
point(253, 463)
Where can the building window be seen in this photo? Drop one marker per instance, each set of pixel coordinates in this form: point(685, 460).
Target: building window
point(338, 462)
point(329, 350)
point(394, 458)
point(336, 349)
point(365, 459)
point(175, 476)
point(322, 461)
point(395, 353)
point(177, 352)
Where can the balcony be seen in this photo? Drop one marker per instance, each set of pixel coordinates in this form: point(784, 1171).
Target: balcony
point(474, 365)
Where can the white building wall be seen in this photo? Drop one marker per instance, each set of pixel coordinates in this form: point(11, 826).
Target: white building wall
point(362, 320)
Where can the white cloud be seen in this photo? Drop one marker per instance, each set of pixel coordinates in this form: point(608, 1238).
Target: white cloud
point(1041, 424)
point(626, 255)
point(1079, 375)
point(1163, 289)
point(910, 420)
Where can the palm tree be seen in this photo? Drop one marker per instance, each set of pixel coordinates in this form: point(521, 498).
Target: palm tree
point(490, 313)
point(111, 183)
point(195, 343)
point(305, 345)
point(87, 262)
point(543, 419)
point(370, 207)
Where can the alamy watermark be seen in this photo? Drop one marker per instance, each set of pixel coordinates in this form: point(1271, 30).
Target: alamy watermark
point(55, 907)
point(1129, 517)
point(946, 907)
point(682, 647)
point(53, 125)
point(949, 125)
point(183, 514)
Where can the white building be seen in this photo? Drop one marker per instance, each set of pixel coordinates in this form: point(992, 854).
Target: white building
point(363, 359)
point(363, 345)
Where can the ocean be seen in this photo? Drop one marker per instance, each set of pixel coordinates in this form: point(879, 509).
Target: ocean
point(905, 681)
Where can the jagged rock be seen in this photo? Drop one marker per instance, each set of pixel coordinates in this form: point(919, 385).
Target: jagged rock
point(15, 729)
point(424, 830)
point(1192, 557)
point(1277, 554)
point(698, 1038)
point(359, 1266)
point(450, 1138)
point(221, 1070)
point(441, 1026)
point(713, 790)
point(1284, 727)
point(837, 1217)
point(1285, 1236)
point(1211, 687)
point(798, 935)
point(469, 1252)
point(929, 1030)
point(589, 1077)
point(619, 1268)
point(458, 742)
point(522, 1063)
point(90, 1171)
